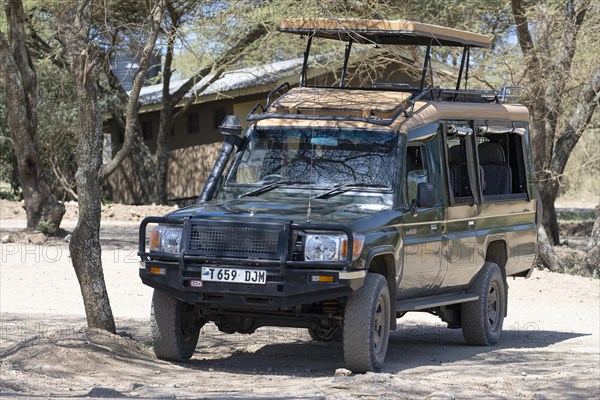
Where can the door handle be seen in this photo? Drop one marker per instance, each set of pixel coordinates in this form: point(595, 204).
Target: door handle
point(471, 224)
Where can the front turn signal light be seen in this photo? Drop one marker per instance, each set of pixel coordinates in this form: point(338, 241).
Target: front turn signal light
point(155, 240)
point(359, 242)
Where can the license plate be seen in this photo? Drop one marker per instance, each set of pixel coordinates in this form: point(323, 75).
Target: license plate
point(235, 275)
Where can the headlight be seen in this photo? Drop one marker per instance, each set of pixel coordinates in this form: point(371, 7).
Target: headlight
point(166, 239)
point(322, 248)
point(331, 247)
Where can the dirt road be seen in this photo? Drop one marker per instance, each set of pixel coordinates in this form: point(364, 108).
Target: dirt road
point(550, 347)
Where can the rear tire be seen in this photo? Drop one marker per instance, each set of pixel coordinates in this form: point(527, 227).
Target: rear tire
point(482, 319)
point(175, 328)
point(367, 325)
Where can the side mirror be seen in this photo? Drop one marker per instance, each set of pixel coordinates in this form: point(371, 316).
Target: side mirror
point(425, 195)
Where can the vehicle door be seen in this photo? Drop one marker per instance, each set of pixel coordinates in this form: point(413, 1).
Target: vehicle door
point(462, 254)
point(507, 212)
point(421, 227)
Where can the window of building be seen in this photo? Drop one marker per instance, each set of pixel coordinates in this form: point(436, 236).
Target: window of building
point(193, 123)
point(219, 114)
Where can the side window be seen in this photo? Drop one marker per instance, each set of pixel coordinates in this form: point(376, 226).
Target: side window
point(458, 139)
point(502, 160)
point(417, 170)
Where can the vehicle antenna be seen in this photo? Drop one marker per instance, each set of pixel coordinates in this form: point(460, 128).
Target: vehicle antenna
point(312, 156)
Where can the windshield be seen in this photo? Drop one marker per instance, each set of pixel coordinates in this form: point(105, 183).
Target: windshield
point(321, 157)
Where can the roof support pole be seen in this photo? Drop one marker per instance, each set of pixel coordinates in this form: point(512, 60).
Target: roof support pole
point(346, 58)
point(467, 66)
point(462, 66)
point(426, 65)
point(305, 63)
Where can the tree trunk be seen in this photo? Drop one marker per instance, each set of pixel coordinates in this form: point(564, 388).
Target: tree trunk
point(162, 154)
point(547, 254)
point(21, 101)
point(591, 262)
point(85, 244)
point(548, 195)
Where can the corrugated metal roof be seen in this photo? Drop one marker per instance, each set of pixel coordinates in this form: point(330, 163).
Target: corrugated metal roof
point(232, 80)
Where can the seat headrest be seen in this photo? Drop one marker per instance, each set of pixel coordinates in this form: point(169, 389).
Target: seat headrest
point(491, 153)
point(454, 154)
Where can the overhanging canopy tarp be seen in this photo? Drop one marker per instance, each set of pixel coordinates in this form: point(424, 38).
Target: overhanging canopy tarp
point(377, 31)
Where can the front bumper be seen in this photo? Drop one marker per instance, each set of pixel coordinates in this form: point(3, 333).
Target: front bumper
point(288, 282)
point(291, 288)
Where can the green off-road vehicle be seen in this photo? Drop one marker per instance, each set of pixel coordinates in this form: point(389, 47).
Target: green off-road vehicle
point(341, 209)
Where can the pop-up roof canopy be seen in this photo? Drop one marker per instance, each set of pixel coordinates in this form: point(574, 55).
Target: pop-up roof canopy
point(395, 32)
point(385, 32)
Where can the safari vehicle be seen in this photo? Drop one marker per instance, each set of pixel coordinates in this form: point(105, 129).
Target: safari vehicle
point(340, 209)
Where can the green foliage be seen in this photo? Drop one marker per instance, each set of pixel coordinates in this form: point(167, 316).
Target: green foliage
point(47, 228)
point(573, 216)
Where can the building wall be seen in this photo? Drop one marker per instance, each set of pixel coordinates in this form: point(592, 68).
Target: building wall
point(194, 148)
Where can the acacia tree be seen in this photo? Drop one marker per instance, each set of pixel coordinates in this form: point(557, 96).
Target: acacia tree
point(20, 86)
point(152, 168)
point(86, 63)
point(558, 118)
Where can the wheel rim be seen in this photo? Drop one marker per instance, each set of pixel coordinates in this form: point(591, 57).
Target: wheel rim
point(379, 320)
point(188, 322)
point(493, 306)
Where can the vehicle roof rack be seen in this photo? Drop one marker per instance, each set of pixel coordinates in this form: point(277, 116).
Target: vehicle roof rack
point(395, 32)
point(260, 112)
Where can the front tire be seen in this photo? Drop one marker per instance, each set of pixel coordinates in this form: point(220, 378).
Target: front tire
point(482, 319)
point(367, 325)
point(175, 328)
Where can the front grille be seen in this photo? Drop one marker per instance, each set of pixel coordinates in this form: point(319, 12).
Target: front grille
point(235, 240)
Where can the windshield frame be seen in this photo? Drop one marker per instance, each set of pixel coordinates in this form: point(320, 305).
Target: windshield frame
point(240, 188)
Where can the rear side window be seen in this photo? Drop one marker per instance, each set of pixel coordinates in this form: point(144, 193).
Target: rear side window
point(502, 160)
point(458, 142)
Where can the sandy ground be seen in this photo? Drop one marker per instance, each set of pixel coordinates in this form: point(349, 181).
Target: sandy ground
point(550, 348)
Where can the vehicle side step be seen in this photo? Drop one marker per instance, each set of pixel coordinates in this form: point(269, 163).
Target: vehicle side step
point(422, 303)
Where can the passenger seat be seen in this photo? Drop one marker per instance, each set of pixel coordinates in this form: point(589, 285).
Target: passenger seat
point(498, 175)
point(455, 163)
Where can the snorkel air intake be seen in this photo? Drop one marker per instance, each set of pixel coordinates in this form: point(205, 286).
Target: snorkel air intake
point(231, 130)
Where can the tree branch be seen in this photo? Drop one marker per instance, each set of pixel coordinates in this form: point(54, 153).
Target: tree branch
point(233, 54)
point(15, 16)
point(190, 100)
point(562, 67)
point(132, 104)
point(522, 22)
point(590, 99)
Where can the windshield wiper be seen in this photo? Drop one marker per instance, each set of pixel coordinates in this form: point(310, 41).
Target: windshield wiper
point(271, 186)
point(344, 187)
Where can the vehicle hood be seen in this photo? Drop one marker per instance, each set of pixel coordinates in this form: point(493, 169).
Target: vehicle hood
point(288, 209)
